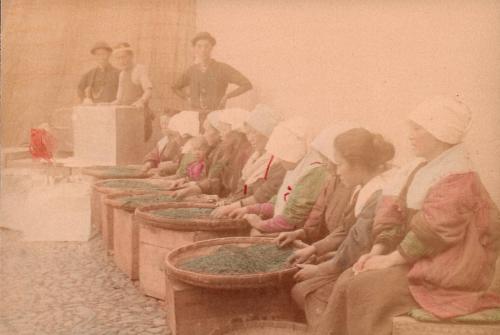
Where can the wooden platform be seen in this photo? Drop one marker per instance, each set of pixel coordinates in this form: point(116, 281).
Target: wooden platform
point(126, 242)
point(198, 311)
point(405, 325)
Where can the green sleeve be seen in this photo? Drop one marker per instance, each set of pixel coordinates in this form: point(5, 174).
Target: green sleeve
point(184, 163)
point(412, 248)
point(304, 196)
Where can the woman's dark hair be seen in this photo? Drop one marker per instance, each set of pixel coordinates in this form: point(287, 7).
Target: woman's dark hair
point(358, 146)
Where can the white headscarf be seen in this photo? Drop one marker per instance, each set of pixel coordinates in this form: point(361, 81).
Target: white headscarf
point(213, 119)
point(447, 119)
point(289, 140)
point(323, 142)
point(263, 119)
point(235, 117)
point(185, 123)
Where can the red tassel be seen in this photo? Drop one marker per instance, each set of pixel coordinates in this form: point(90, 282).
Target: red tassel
point(245, 189)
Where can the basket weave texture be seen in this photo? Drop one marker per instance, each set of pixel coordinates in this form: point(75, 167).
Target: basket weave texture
point(223, 281)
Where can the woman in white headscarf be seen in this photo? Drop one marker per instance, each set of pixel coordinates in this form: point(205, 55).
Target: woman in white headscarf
point(329, 211)
point(301, 186)
point(434, 236)
point(226, 160)
point(263, 174)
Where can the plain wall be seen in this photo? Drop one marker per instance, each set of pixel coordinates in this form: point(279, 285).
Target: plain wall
point(367, 61)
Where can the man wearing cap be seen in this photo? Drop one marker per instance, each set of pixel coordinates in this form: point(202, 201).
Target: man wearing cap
point(101, 83)
point(208, 79)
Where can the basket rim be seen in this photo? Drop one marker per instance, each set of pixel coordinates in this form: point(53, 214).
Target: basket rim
point(280, 324)
point(148, 218)
point(236, 280)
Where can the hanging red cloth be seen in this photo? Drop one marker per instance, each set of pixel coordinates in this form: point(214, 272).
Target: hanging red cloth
point(42, 144)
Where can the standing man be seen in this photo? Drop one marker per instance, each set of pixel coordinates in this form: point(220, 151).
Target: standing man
point(208, 79)
point(101, 83)
point(134, 86)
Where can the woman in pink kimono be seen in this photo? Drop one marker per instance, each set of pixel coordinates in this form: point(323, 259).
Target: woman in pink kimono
point(435, 236)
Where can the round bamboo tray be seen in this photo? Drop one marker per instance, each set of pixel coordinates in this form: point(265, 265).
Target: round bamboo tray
point(110, 172)
point(219, 281)
point(142, 186)
point(119, 200)
point(197, 224)
point(263, 328)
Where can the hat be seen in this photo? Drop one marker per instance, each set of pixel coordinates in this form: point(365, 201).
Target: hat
point(101, 45)
point(445, 118)
point(122, 46)
point(235, 117)
point(204, 36)
point(289, 140)
point(185, 123)
point(323, 143)
point(263, 119)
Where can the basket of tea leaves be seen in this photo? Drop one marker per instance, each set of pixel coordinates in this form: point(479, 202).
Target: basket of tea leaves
point(114, 172)
point(262, 327)
point(130, 202)
point(232, 263)
point(190, 215)
point(130, 186)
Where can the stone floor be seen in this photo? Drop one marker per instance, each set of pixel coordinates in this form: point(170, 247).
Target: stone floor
point(69, 288)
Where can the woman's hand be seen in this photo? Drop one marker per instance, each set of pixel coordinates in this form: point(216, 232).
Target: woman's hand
point(139, 103)
point(187, 191)
point(307, 271)
point(287, 237)
point(238, 213)
point(223, 211)
point(379, 262)
point(302, 255)
point(377, 249)
point(146, 167)
point(254, 220)
point(87, 101)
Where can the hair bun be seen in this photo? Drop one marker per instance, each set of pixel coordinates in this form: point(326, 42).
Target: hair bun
point(383, 150)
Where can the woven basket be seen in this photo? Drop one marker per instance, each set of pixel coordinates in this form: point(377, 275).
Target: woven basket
point(218, 281)
point(201, 224)
point(117, 200)
point(101, 187)
point(263, 328)
point(106, 172)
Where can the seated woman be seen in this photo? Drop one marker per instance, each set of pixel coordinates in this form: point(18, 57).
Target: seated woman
point(263, 174)
point(435, 236)
point(194, 168)
point(361, 158)
point(301, 186)
point(166, 154)
point(181, 127)
point(226, 160)
point(327, 214)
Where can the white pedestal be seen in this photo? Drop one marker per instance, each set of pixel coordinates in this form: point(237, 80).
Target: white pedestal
point(108, 135)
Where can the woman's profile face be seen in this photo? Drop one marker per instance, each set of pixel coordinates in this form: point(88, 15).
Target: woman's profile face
point(349, 175)
point(257, 140)
point(421, 140)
